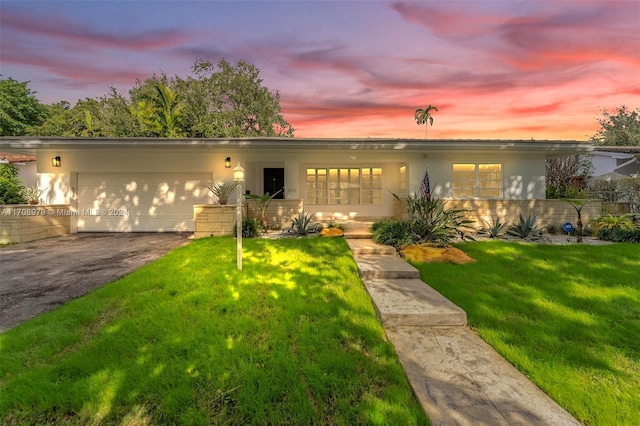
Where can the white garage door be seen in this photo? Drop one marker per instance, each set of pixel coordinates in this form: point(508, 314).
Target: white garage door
point(150, 202)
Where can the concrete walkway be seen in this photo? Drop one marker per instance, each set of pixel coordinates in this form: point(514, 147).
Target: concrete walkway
point(458, 378)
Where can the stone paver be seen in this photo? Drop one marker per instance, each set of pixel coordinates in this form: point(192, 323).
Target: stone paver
point(457, 377)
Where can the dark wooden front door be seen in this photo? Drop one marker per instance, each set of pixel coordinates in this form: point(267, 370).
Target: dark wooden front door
point(274, 181)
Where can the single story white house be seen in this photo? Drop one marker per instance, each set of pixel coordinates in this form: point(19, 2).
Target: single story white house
point(152, 184)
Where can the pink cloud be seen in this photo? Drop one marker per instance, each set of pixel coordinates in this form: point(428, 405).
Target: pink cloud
point(63, 29)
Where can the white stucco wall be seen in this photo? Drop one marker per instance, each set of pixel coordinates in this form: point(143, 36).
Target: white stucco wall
point(523, 173)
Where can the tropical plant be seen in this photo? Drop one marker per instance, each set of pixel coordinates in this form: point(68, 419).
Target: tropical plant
point(32, 194)
point(612, 222)
point(392, 233)
point(223, 191)
point(301, 225)
point(526, 228)
point(162, 115)
point(578, 205)
point(495, 228)
point(263, 203)
point(431, 221)
point(423, 116)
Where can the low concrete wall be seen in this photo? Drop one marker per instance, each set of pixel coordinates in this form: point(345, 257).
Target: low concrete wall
point(279, 213)
point(21, 223)
point(548, 211)
point(213, 220)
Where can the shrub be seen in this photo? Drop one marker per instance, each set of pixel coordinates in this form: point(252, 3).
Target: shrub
point(526, 228)
point(337, 225)
point(619, 235)
point(613, 222)
point(495, 229)
point(554, 229)
point(250, 228)
point(11, 186)
point(393, 233)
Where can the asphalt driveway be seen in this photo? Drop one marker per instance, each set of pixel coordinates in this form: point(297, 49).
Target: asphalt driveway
point(39, 276)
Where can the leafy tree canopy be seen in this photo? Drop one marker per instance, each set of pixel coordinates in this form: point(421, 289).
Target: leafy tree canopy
point(222, 100)
point(619, 129)
point(19, 108)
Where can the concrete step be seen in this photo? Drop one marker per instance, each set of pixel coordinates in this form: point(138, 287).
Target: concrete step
point(384, 266)
point(356, 235)
point(411, 302)
point(460, 380)
point(361, 247)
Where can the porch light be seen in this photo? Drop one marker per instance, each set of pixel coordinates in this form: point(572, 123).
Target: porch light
point(238, 174)
point(227, 163)
point(238, 178)
point(56, 162)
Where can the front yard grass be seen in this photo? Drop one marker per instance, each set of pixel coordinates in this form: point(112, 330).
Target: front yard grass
point(292, 339)
point(566, 316)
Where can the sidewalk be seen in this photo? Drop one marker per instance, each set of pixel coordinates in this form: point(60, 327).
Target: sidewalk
point(458, 378)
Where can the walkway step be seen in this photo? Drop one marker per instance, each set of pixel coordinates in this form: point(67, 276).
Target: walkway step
point(412, 302)
point(358, 235)
point(384, 266)
point(363, 247)
point(461, 380)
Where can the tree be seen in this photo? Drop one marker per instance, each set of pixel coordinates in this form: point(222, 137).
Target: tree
point(561, 173)
point(19, 108)
point(228, 101)
point(619, 129)
point(423, 116)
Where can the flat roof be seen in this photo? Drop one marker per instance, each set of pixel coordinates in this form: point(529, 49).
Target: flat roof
point(29, 144)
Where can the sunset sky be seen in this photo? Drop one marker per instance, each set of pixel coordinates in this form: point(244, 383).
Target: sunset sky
point(495, 69)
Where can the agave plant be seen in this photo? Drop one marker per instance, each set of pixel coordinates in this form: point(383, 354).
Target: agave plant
point(495, 228)
point(526, 228)
point(223, 191)
point(301, 225)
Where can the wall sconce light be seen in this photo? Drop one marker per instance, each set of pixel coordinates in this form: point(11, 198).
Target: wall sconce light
point(55, 161)
point(227, 163)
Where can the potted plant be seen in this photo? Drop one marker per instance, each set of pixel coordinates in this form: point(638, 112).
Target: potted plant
point(32, 194)
point(223, 191)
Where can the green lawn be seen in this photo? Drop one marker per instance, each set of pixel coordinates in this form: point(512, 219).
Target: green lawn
point(293, 339)
point(566, 316)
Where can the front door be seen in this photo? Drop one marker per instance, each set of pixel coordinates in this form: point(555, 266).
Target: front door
point(274, 181)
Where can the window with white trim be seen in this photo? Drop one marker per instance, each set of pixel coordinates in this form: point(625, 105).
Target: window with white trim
point(403, 177)
point(477, 180)
point(333, 185)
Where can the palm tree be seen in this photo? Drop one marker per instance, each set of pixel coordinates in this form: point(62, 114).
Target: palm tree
point(423, 116)
point(161, 116)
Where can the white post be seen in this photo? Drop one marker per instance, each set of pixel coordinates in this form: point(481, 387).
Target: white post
point(238, 177)
point(239, 226)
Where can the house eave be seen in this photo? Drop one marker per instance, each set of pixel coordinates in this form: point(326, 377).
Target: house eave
point(29, 145)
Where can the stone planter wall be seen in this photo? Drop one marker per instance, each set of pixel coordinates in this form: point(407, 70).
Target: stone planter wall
point(548, 211)
point(279, 213)
point(21, 223)
point(213, 220)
